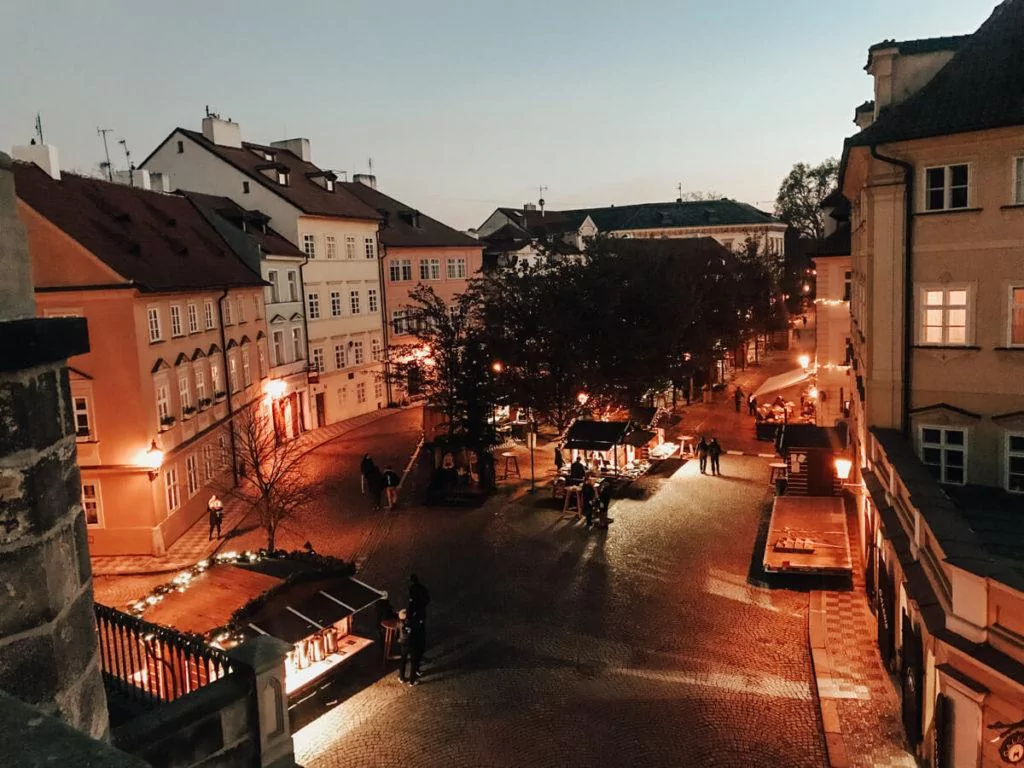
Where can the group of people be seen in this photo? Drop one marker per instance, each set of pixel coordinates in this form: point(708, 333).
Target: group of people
point(594, 499)
point(751, 402)
point(412, 629)
point(379, 483)
point(709, 450)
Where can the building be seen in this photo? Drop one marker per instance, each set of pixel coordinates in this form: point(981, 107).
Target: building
point(417, 250)
point(340, 277)
point(178, 342)
point(935, 181)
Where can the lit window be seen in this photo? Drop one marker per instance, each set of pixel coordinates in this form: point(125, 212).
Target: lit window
point(246, 369)
point(335, 303)
point(282, 178)
point(83, 430)
point(944, 316)
point(944, 452)
point(233, 373)
point(171, 488)
point(192, 475)
point(456, 269)
point(361, 392)
point(946, 187)
point(262, 361)
point(155, 332)
point(91, 502)
point(215, 379)
point(350, 247)
point(339, 356)
point(1017, 316)
point(371, 300)
point(193, 318)
point(430, 269)
point(353, 301)
point(309, 246)
point(317, 359)
point(208, 312)
point(358, 357)
point(330, 188)
point(370, 248)
point(331, 242)
point(313, 305)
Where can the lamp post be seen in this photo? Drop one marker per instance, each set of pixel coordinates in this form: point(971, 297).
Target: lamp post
point(496, 368)
point(531, 438)
point(153, 459)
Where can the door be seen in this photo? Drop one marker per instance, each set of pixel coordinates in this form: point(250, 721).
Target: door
point(321, 414)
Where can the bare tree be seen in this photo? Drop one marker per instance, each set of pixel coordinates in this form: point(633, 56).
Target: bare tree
point(700, 197)
point(273, 479)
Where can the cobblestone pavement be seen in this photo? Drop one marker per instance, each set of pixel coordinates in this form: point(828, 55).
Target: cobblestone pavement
point(554, 646)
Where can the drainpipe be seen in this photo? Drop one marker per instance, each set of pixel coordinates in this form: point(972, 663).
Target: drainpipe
point(908, 283)
point(381, 255)
point(305, 334)
point(227, 387)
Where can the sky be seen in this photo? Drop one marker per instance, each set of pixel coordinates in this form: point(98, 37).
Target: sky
point(465, 105)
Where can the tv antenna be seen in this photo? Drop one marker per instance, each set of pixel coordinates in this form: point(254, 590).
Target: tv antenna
point(541, 189)
point(106, 166)
point(369, 163)
point(39, 128)
point(128, 160)
point(679, 189)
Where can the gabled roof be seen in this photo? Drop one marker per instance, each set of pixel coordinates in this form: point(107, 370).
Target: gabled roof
point(156, 241)
point(253, 223)
point(922, 45)
point(837, 244)
point(302, 192)
point(980, 88)
point(404, 226)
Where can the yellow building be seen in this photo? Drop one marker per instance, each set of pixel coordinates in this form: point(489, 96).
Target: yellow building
point(935, 180)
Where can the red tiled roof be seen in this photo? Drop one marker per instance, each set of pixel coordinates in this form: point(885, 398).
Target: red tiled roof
point(404, 225)
point(157, 241)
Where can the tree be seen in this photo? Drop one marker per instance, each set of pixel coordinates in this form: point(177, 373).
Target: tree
point(699, 197)
point(801, 194)
point(273, 480)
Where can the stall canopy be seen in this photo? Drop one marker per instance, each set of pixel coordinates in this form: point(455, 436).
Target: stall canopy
point(596, 435)
point(782, 381)
point(639, 437)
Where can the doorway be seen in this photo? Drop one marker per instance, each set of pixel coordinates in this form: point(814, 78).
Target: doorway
point(321, 415)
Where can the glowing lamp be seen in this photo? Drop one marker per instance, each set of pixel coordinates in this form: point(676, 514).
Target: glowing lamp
point(275, 388)
point(582, 398)
point(497, 367)
point(152, 460)
point(805, 361)
point(843, 467)
point(813, 393)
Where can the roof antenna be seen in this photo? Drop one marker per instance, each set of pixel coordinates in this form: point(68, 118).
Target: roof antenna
point(128, 159)
point(106, 166)
point(679, 189)
point(369, 162)
point(540, 195)
point(39, 128)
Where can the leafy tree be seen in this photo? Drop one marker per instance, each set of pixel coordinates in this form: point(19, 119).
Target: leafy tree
point(696, 197)
point(801, 193)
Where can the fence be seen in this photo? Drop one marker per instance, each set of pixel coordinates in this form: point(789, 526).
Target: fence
point(150, 664)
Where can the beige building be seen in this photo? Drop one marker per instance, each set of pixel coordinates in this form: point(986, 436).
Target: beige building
point(936, 185)
point(177, 332)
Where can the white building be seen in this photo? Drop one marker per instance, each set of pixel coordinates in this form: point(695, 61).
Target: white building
point(339, 278)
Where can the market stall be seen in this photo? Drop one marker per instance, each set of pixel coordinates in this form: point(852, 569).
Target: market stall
point(784, 399)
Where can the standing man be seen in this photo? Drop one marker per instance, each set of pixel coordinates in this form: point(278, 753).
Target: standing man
point(702, 455)
point(752, 406)
point(588, 496)
point(715, 452)
point(365, 468)
point(576, 472)
point(559, 459)
point(419, 599)
point(391, 481)
point(738, 398)
point(215, 508)
point(411, 649)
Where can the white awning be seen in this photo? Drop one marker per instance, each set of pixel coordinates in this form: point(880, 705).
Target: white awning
point(782, 381)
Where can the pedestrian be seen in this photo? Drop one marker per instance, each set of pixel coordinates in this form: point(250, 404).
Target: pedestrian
point(804, 319)
point(375, 483)
point(604, 503)
point(404, 644)
point(419, 599)
point(702, 455)
point(588, 495)
point(215, 508)
point(412, 640)
point(559, 459)
point(752, 406)
point(715, 452)
point(738, 397)
point(391, 482)
point(577, 471)
point(365, 467)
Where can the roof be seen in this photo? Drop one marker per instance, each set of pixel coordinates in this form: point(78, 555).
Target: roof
point(980, 88)
point(923, 45)
point(867, 106)
point(404, 226)
point(252, 222)
point(836, 244)
point(301, 191)
point(596, 435)
point(806, 436)
point(158, 242)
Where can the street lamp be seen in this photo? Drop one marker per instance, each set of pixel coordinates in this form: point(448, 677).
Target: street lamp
point(843, 467)
point(497, 366)
point(582, 398)
point(152, 460)
point(275, 389)
point(805, 361)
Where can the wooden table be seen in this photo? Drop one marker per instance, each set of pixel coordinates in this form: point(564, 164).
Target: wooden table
point(777, 471)
point(686, 445)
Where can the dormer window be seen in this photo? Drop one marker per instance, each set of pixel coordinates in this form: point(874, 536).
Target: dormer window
point(268, 156)
point(282, 178)
point(330, 185)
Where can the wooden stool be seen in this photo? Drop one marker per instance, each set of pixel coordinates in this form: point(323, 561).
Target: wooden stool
point(573, 496)
point(686, 443)
point(390, 628)
point(778, 472)
point(511, 465)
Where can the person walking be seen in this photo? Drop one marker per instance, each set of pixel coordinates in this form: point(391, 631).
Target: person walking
point(751, 406)
point(738, 398)
point(365, 467)
point(391, 482)
point(419, 599)
point(559, 459)
point(715, 452)
point(215, 509)
point(375, 484)
point(604, 503)
point(588, 496)
point(407, 646)
point(702, 455)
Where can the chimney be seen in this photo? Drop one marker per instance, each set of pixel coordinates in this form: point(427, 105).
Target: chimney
point(365, 178)
point(133, 178)
point(298, 147)
point(223, 133)
point(864, 115)
point(159, 182)
point(43, 155)
point(529, 207)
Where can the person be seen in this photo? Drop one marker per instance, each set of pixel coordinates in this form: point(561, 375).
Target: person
point(752, 406)
point(588, 495)
point(375, 482)
point(405, 644)
point(215, 508)
point(803, 318)
point(419, 599)
point(715, 452)
point(702, 455)
point(391, 482)
point(577, 471)
point(738, 398)
point(604, 502)
point(365, 467)
point(559, 459)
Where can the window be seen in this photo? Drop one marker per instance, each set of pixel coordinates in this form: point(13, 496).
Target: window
point(297, 347)
point(192, 475)
point(274, 291)
point(944, 316)
point(371, 300)
point(184, 392)
point(375, 350)
point(226, 305)
point(233, 372)
point(430, 269)
point(209, 463)
point(339, 356)
point(223, 452)
point(245, 187)
point(278, 348)
point(946, 187)
point(256, 307)
point(455, 313)
point(1015, 463)
point(91, 502)
point(335, 303)
point(163, 402)
point(171, 487)
point(1017, 316)
point(399, 321)
point(246, 369)
point(332, 245)
point(200, 386)
point(181, 147)
point(400, 270)
point(193, 318)
point(343, 396)
point(261, 360)
point(293, 285)
point(282, 178)
point(215, 378)
point(350, 247)
point(370, 247)
point(83, 431)
point(208, 311)
point(358, 358)
point(313, 305)
point(317, 358)
point(329, 186)
point(309, 246)
point(847, 285)
point(241, 309)
point(155, 332)
point(378, 389)
point(361, 392)
point(353, 301)
point(944, 451)
point(456, 269)
point(1018, 181)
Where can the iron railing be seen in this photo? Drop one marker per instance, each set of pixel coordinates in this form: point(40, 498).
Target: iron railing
point(151, 664)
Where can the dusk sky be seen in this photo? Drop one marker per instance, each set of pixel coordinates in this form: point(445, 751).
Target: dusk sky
point(465, 106)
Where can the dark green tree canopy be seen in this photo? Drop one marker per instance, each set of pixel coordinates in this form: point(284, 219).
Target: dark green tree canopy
point(801, 193)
